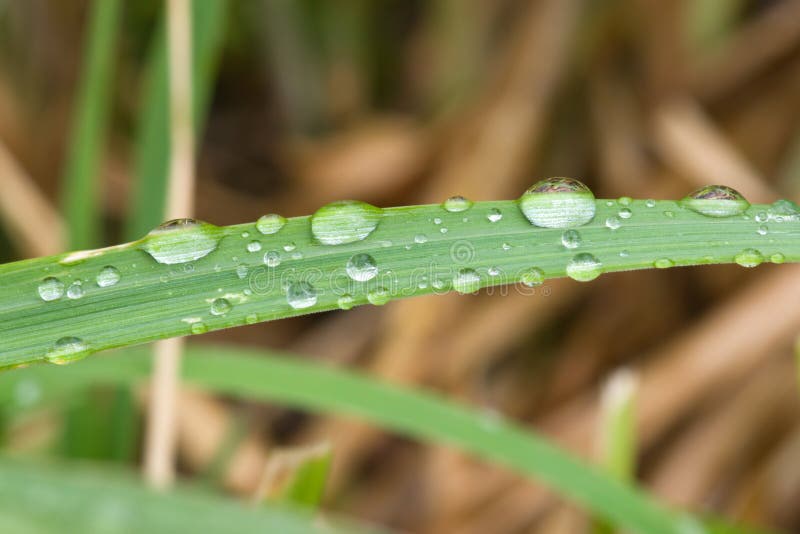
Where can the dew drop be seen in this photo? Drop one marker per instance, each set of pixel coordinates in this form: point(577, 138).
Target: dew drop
point(625, 201)
point(241, 271)
point(584, 267)
point(493, 271)
point(624, 253)
point(345, 221)
point(420, 239)
point(199, 327)
point(361, 267)
point(716, 201)
point(378, 296)
point(777, 258)
point(506, 246)
point(253, 246)
point(762, 216)
point(669, 214)
point(437, 221)
point(220, 306)
point(558, 203)
point(650, 203)
point(763, 230)
point(783, 210)
point(345, 302)
point(272, 258)
point(66, 350)
point(749, 257)
point(457, 204)
point(181, 241)
point(494, 215)
point(108, 276)
point(251, 318)
point(288, 247)
point(301, 295)
point(625, 213)
point(571, 239)
point(663, 263)
point(270, 224)
point(613, 223)
point(51, 288)
point(532, 277)
point(75, 290)
point(466, 281)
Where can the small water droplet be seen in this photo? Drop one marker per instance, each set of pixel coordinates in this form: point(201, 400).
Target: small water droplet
point(181, 241)
point(762, 216)
point(253, 246)
point(108, 276)
point(506, 246)
point(456, 204)
point(199, 327)
point(613, 223)
point(420, 239)
point(494, 215)
point(288, 247)
point(241, 271)
point(763, 230)
point(625, 201)
point(67, 350)
point(532, 277)
point(245, 234)
point(361, 267)
point(669, 214)
point(716, 201)
point(270, 224)
point(443, 230)
point(624, 253)
point(466, 281)
point(777, 258)
point(558, 203)
point(437, 221)
point(571, 239)
point(345, 302)
point(220, 306)
point(749, 257)
point(625, 213)
point(378, 296)
point(345, 221)
point(584, 267)
point(301, 295)
point(650, 203)
point(272, 258)
point(493, 271)
point(663, 263)
point(51, 288)
point(251, 318)
point(75, 290)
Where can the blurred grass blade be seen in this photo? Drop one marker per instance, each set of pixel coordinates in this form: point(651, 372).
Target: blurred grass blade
point(81, 202)
point(153, 144)
point(61, 499)
point(257, 376)
point(297, 475)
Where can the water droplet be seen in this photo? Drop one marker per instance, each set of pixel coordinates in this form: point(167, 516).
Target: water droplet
point(625, 201)
point(51, 288)
point(288, 247)
point(571, 239)
point(220, 306)
point(272, 258)
point(245, 234)
point(456, 204)
point(584, 267)
point(532, 277)
point(663, 263)
point(466, 281)
point(783, 210)
point(66, 350)
point(378, 296)
point(181, 241)
point(650, 203)
point(494, 215)
point(361, 267)
point(270, 224)
point(345, 221)
point(506, 246)
point(762, 216)
point(108, 276)
point(558, 203)
point(241, 271)
point(493, 271)
point(749, 257)
point(613, 223)
point(716, 201)
point(345, 302)
point(301, 295)
point(443, 230)
point(763, 230)
point(297, 255)
point(253, 246)
point(777, 258)
point(75, 290)
point(420, 239)
point(625, 213)
point(437, 221)
point(251, 318)
point(669, 214)
point(624, 253)
point(199, 327)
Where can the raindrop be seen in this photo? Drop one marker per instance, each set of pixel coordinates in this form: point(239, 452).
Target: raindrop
point(251, 318)
point(443, 230)
point(494, 215)
point(420, 239)
point(763, 230)
point(506, 246)
point(378, 296)
point(466, 281)
point(199, 327)
point(624, 253)
point(716, 201)
point(253, 246)
point(558, 203)
point(108, 276)
point(437, 221)
point(625, 201)
point(584, 267)
point(457, 204)
point(749, 257)
point(345, 221)
point(75, 290)
point(181, 241)
point(493, 271)
point(532, 277)
point(571, 239)
point(301, 295)
point(361, 267)
point(241, 271)
point(288, 247)
point(272, 258)
point(67, 350)
point(613, 223)
point(783, 210)
point(51, 288)
point(345, 302)
point(762, 216)
point(650, 203)
point(220, 306)
point(663, 263)
point(270, 224)
point(777, 258)
point(669, 214)
point(625, 213)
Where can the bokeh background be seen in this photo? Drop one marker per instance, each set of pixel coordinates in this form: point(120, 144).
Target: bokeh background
point(399, 102)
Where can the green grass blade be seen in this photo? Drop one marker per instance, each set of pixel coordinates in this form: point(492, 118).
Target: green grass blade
point(307, 484)
point(418, 250)
point(81, 205)
point(307, 385)
point(61, 499)
point(153, 144)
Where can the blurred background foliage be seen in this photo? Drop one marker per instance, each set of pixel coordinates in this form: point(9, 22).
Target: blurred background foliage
point(301, 102)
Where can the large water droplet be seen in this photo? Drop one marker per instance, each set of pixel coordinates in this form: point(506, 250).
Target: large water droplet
point(749, 257)
point(75, 290)
point(584, 267)
point(301, 295)
point(777, 258)
point(272, 258)
point(345, 221)
point(270, 224)
point(613, 223)
point(532, 277)
point(571, 239)
point(456, 204)
point(716, 201)
point(558, 203)
point(108, 276)
point(220, 306)
point(466, 281)
point(361, 267)
point(66, 350)
point(181, 241)
point(51, 288)
point(494, 215)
